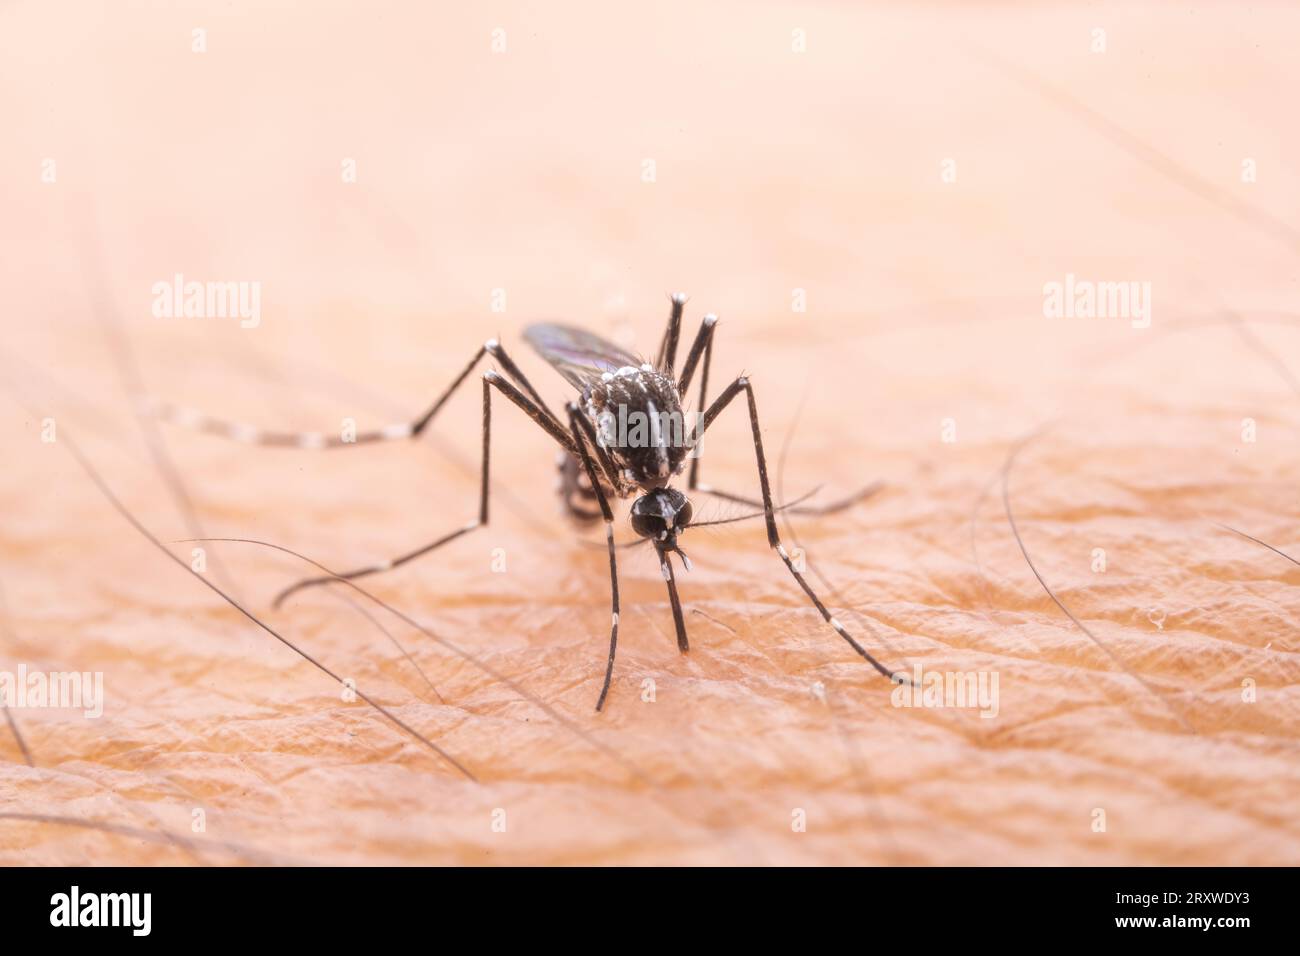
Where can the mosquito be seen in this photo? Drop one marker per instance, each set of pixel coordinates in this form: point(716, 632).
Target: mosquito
point(598, 460)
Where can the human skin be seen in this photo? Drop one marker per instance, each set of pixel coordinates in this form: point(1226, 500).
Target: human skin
point(1145, 651)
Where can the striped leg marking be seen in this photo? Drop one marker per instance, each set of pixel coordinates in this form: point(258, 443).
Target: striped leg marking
point(490, 380)
point(773, 537)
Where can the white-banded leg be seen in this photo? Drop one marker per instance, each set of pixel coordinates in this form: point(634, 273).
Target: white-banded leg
point(703, 346)
point(579, 437)
point(679, 621)
point(769, 513)
point(253, 435)
point(491, 380)
point(668, 347)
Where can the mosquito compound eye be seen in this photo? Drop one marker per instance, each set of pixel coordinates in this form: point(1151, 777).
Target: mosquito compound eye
point(684, 513)
point(647, 525)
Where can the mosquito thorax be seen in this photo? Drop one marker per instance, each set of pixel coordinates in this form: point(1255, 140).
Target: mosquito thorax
point(637, 414)
point(662, 515)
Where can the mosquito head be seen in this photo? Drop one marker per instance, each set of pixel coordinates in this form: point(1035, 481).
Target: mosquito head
point(661, 516)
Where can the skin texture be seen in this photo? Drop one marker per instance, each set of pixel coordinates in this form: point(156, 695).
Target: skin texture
point(1156, 692)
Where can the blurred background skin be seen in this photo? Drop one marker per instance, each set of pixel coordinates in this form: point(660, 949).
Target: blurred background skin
point(911, 178)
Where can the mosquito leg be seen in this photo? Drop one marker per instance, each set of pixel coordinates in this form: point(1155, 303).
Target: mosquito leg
point(573, 493)
point(583, 429)
point(491, 380)
point(493, 347)
point(608, 515)
point(253, 435)
point(703, 344)
point(773, 536)
point(679, 622)
point(668, 348)
point(606, 463)
point(421, 423)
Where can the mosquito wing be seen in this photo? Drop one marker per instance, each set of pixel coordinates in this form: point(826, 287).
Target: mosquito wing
point(577, 355)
